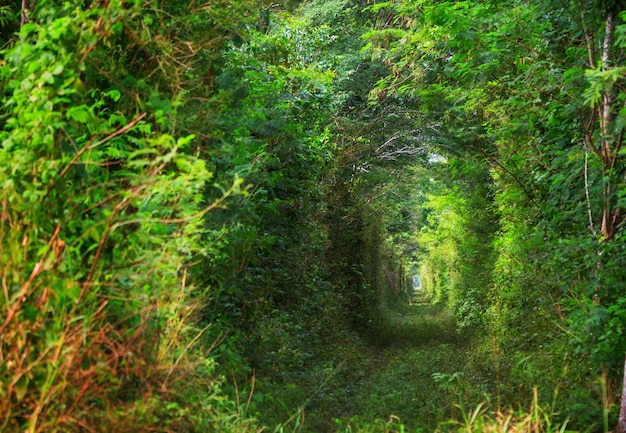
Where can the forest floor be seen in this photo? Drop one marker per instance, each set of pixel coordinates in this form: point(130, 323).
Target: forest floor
point(413, 374)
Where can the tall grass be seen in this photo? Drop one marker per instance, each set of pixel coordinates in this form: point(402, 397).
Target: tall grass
point(536, 420)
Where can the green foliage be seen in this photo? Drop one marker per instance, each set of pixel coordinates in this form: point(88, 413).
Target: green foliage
point(511, 84)
point(175, 174)
point(456, 242)
point(101, 222)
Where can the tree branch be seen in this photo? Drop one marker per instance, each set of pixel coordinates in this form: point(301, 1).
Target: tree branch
point(507, 171)
point(591, 52)
point(591, 227)
point(91, 145)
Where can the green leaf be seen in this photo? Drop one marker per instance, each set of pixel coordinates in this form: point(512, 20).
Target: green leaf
point(79, 114)
point(21, 387)
point(376, 7)
point(114, 94)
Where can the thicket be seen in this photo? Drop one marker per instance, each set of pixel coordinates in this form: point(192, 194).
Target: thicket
point(210, 211)
point(103, 222)
point(172, 224)
point(522, 235)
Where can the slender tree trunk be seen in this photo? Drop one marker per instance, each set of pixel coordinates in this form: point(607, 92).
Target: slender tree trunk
point(27, 8)
point(587, 195)
point(608, 151)
point(621, 421)
point(607, 146)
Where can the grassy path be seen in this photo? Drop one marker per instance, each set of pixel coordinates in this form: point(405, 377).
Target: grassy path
point(412, 373)
point(413, 379)
point(422, 342)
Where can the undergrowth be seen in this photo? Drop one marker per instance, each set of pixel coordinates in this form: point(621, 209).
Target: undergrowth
point(418, 373)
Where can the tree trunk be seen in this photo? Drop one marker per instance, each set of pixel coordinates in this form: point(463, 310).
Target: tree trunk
point(610, 219)
point(608, 150)
point(621, 421)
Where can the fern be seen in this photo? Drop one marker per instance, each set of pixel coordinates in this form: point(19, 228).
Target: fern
point(7, 15)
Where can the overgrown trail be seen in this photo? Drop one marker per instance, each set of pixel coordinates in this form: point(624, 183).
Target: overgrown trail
point(414, 372)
